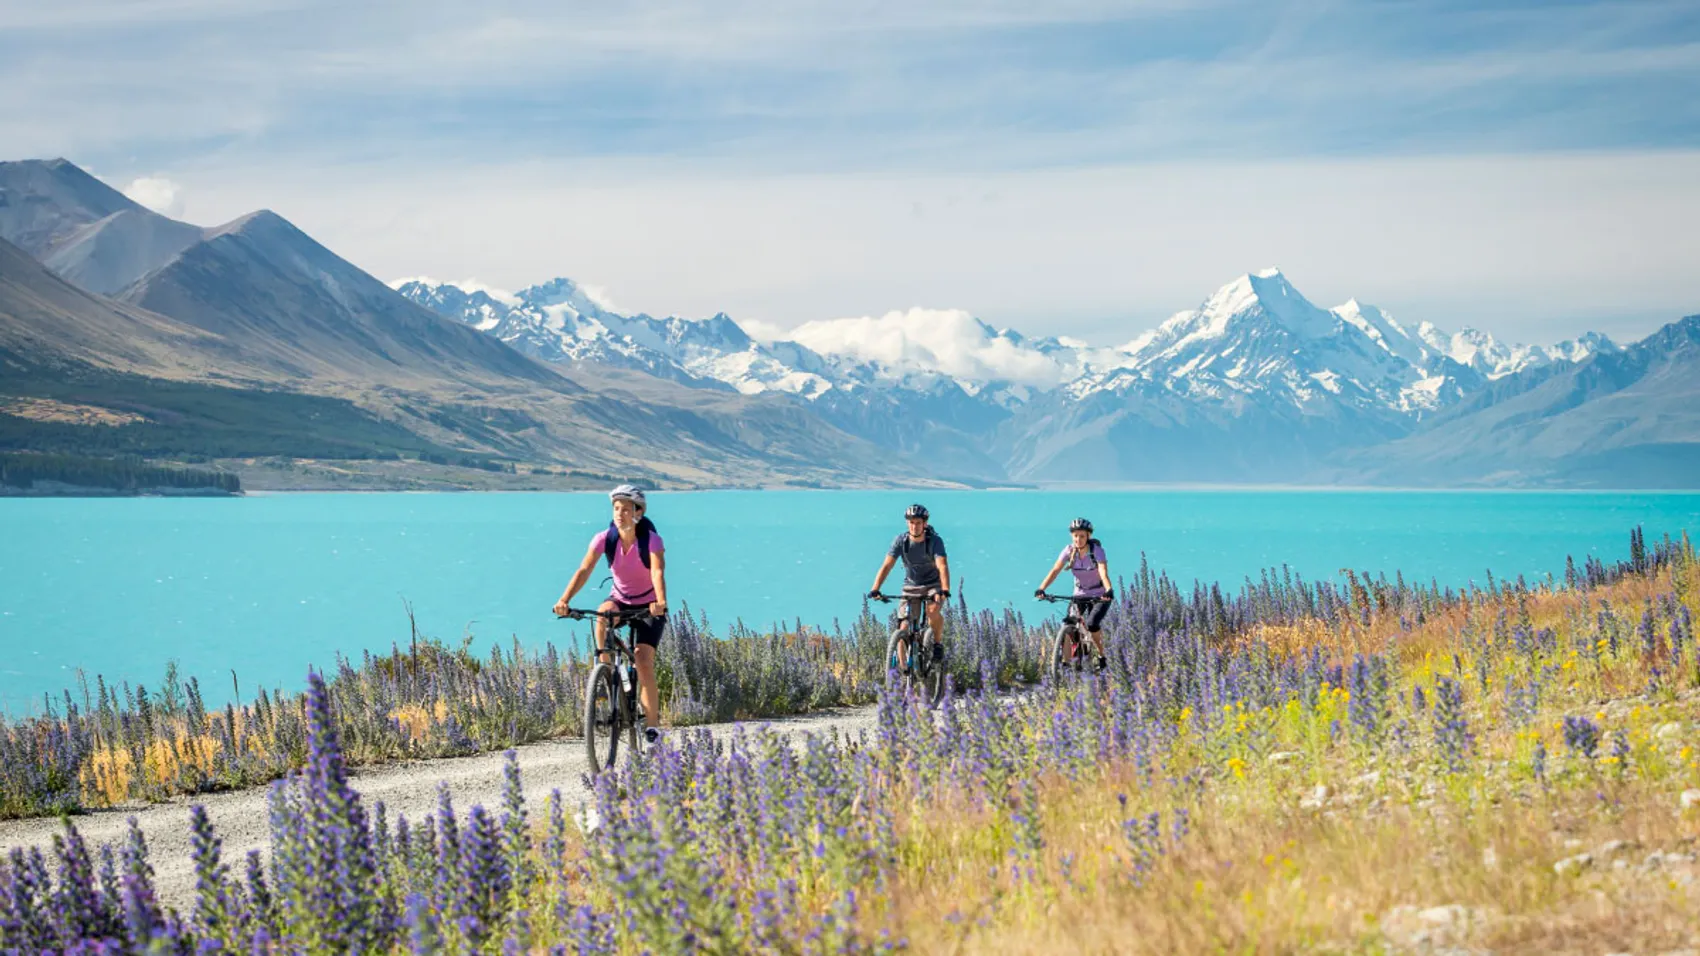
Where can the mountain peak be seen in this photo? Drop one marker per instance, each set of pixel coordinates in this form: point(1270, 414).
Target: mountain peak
point(564, 291)
point(260, 222)
point(58, 197)
point(1269, 291)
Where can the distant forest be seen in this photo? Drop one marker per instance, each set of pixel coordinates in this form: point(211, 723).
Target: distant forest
point(20, 470)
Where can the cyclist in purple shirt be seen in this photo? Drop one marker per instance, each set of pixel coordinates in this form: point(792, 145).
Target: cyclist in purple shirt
point(1084, 556)
point(639, 570)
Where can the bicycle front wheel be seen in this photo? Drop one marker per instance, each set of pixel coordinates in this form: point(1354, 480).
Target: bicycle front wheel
point(1066, 654)
point(929, 673)
point(602, 718)
point(897, 653)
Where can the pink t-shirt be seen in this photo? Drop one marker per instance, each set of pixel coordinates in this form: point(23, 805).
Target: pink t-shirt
point(632, 583)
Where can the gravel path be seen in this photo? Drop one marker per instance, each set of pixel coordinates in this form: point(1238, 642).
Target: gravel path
point(410, 788)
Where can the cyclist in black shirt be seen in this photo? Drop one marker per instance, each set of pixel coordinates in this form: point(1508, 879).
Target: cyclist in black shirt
point(925, 569)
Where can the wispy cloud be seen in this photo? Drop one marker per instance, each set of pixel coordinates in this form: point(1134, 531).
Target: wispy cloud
point(812, 85)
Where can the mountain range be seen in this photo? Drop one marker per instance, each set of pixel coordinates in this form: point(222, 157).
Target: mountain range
point(105, 302)
point(256, 316)
point(1255, 384)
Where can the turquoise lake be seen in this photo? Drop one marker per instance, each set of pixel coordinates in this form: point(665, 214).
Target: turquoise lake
point(270, 584)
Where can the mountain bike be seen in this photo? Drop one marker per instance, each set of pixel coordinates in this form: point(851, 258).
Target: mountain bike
point(915, 669)
point(1068, 651)
point(612, 705)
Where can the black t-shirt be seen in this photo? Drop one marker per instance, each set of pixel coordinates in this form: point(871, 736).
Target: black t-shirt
point(919, 569)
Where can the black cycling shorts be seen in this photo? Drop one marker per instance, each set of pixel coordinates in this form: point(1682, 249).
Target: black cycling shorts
point(648, 629)
point(1092, 611)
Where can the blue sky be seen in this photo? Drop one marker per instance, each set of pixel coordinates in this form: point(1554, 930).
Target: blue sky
point(1063, 167)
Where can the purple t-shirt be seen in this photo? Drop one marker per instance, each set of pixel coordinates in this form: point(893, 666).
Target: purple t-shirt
point(1085, 568)
point(632, 583)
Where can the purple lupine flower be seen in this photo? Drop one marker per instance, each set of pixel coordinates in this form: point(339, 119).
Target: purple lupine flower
point(258, 893)
point(420, 921)
point(211, 904)
point(1452, 734)
point(77, 907)
point(516, 842)
point(1581, 735)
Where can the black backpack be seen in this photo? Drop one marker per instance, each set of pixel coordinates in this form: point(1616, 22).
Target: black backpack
point(1092, 544)
point(927, 542)
point(611, 541)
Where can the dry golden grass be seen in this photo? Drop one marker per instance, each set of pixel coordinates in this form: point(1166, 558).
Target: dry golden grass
point(168, 763)
point(416, 721)
point(1393, 855)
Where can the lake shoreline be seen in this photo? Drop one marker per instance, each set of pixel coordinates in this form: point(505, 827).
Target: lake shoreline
point(285, 578)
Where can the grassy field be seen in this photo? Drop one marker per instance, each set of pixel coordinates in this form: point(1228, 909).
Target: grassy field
point(1371, 767)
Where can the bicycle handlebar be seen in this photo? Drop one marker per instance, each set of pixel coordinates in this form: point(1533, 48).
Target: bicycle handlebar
point(1058, 598)
point(612, 617)
point(888, 598)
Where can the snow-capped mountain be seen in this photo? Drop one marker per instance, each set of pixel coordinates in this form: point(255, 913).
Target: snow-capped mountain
point(1256, 365)
point(1493, 359)
point(1258, 339)
point(560, 320)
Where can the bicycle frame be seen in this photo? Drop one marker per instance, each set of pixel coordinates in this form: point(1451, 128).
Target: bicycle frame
point(917, 665)
point(1071, 637)
point(622, 691)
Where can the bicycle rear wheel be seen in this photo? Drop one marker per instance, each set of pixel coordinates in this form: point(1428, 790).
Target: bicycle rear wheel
point(602, 718)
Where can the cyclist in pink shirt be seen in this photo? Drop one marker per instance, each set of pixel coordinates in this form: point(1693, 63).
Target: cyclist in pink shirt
point(633, 551)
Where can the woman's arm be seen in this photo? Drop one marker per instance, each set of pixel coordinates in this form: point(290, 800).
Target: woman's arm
point(579, 577)
point(1104, 575)
point(1056, 569)
point(658, 577)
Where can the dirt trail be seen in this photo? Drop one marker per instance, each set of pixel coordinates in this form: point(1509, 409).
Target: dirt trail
point(410, 788)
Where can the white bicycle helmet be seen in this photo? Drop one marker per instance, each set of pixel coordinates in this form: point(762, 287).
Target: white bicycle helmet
point(631, 493)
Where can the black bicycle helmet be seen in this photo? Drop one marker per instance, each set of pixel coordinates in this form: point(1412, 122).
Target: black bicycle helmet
point(916, 511)
point(1080, 524)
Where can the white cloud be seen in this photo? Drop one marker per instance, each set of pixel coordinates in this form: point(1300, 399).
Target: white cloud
point(600, 296)
point(764, 331)
point(503, 296)
point(157, 193)
point(948, 340)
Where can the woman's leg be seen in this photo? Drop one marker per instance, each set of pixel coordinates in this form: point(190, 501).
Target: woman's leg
point(1094, 621)
point(648, 690)
point(602, 631)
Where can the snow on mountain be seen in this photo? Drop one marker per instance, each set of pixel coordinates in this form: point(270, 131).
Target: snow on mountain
point(476, 305)
point(1256, 340)
point(560, 320)
point(1493, 359)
